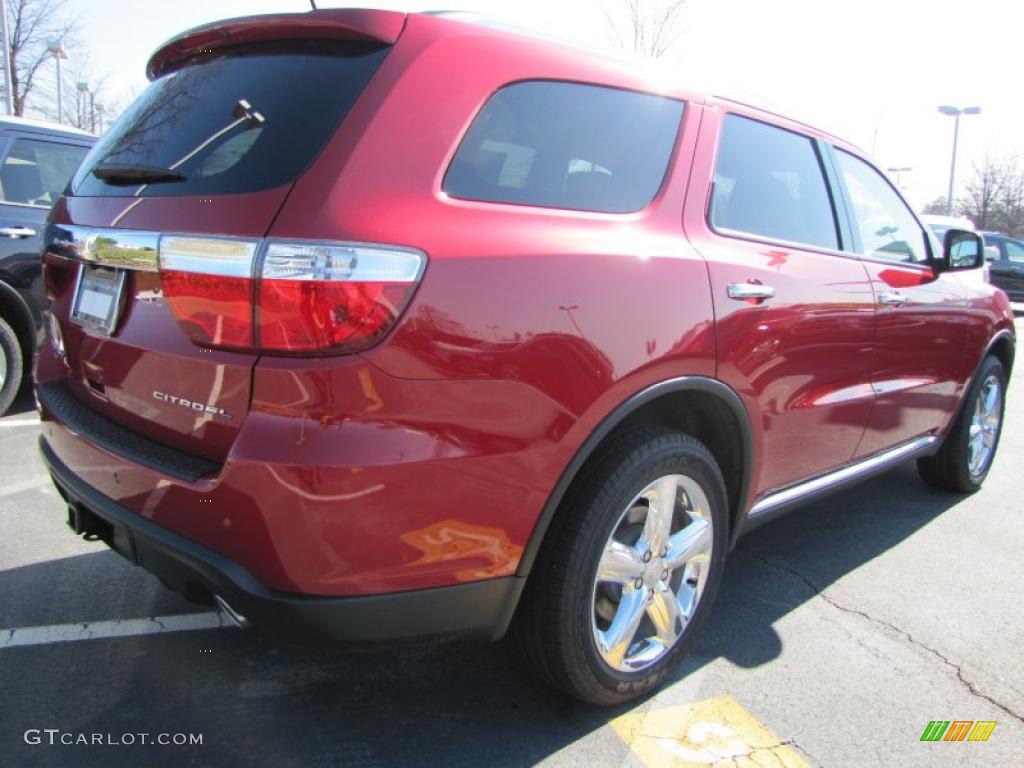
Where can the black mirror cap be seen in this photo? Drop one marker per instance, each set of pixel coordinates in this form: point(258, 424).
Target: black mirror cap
point(961, 249)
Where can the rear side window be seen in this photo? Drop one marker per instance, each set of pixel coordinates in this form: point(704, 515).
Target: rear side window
point(36, 172)
point(566, 145)
point(1014, 251)
point(769, 182)
point(888, 230)
point(240, 120)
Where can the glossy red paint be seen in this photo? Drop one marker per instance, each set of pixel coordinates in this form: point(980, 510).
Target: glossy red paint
point(428, 459)
point(918, 374)
point(801, 361)
point(345, 24)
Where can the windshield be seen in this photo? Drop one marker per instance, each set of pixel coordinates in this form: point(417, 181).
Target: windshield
point(240, 120)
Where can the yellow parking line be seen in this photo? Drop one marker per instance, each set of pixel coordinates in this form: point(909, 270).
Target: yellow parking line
point(714, 732)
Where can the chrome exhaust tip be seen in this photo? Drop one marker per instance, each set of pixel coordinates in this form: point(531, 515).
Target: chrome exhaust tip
point(233, 616)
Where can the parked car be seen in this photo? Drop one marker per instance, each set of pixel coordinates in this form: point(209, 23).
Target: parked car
point(1006, 263)
point(940, 225)
point(36, 161)
point(489, 335)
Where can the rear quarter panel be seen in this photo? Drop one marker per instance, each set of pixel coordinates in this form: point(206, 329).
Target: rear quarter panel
point(566, 314)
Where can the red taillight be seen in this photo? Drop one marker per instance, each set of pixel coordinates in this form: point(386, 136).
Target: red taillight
point(286, 296)
point(337, 296)
point(302, 315)
point(58, 274)
point(213, 311)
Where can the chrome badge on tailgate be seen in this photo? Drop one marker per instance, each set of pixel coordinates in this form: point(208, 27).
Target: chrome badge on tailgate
point(190, 404)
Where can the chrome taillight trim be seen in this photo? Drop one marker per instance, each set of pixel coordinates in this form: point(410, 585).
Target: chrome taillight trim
point(126, 248)
point(139, 250)
point(216, 255)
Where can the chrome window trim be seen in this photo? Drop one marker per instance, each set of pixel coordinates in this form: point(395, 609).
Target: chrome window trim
point(27, 205)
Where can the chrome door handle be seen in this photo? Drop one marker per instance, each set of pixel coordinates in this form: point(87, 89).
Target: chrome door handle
point(743, 291)
point(892, 299)
point(16, 232)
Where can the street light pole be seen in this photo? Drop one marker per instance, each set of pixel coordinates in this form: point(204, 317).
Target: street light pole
point(899, 174)
point(82, 105)
point(56, 47)
point(8, 80)
point(955, 112)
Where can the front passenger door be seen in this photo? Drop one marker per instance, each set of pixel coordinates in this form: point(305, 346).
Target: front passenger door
point(920, 317)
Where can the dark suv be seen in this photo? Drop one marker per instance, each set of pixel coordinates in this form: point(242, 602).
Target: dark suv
point(36, 161)
point(373, 326)
point(1006, 263)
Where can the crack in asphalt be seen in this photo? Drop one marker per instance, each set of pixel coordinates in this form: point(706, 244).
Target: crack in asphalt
point(820, 592)
point(792, 742)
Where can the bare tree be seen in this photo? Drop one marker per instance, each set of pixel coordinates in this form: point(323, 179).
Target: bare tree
point(83, 90)
point(983, 191)
point(936, 206)
point(32, 24)
point(647, 27)
point(994, 197)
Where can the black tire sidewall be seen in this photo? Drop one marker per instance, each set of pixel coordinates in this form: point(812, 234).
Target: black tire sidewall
point(684, 456)
point(11, 349)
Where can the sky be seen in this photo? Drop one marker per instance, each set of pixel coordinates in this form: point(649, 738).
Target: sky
point(872, 71)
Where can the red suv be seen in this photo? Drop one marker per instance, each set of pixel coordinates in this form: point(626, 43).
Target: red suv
point(370, 326)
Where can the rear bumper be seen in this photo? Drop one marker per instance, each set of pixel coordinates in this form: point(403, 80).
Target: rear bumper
point(481, 608)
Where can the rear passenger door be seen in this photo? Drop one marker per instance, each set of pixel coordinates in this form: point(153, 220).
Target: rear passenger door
point(794, 314)
point(921, 317)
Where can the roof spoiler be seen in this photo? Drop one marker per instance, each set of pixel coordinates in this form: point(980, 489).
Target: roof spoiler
point(346, 24)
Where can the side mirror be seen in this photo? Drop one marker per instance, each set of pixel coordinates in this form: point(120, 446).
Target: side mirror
point(961, 250)
point(991, 253)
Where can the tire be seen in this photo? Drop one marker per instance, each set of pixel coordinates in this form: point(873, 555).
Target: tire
point(957, 466)
point(566, 614)
point(12, 366)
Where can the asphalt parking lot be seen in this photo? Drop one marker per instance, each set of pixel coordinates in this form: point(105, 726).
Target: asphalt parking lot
point(841, 631)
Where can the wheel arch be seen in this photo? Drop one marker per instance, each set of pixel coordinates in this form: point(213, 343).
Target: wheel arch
point(1003, 346)
point(731, 446)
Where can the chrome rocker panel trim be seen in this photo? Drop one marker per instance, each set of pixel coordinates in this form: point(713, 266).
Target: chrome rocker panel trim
point(778, 502)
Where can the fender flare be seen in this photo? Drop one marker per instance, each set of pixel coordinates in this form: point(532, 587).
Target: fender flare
point(714, 387)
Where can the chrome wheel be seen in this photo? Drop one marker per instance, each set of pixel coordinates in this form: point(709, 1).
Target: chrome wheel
point(984, 429)
point(3, 367)
point(652, 573)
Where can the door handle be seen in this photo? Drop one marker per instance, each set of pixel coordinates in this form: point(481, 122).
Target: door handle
point(892, 299)
point(18, 231)
point(744, 291)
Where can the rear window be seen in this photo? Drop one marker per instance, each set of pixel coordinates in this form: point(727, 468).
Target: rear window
point(566, 145)
point(240, 120)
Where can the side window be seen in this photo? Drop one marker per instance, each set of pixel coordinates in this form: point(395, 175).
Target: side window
point(769, 182)
point(888, 230)
point(36, 172)
point(566, 145)
point(1015, 251)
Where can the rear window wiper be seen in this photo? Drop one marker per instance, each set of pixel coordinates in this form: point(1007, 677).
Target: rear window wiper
point(123, 173)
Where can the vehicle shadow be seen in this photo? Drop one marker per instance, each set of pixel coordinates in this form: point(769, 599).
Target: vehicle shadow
point(24, 403)
point(461, 704)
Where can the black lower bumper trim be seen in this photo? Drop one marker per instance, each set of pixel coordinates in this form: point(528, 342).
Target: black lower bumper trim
point(57, 398)
point(481, 608)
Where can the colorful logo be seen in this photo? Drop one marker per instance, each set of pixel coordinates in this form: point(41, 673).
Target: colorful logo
point(958, 730)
